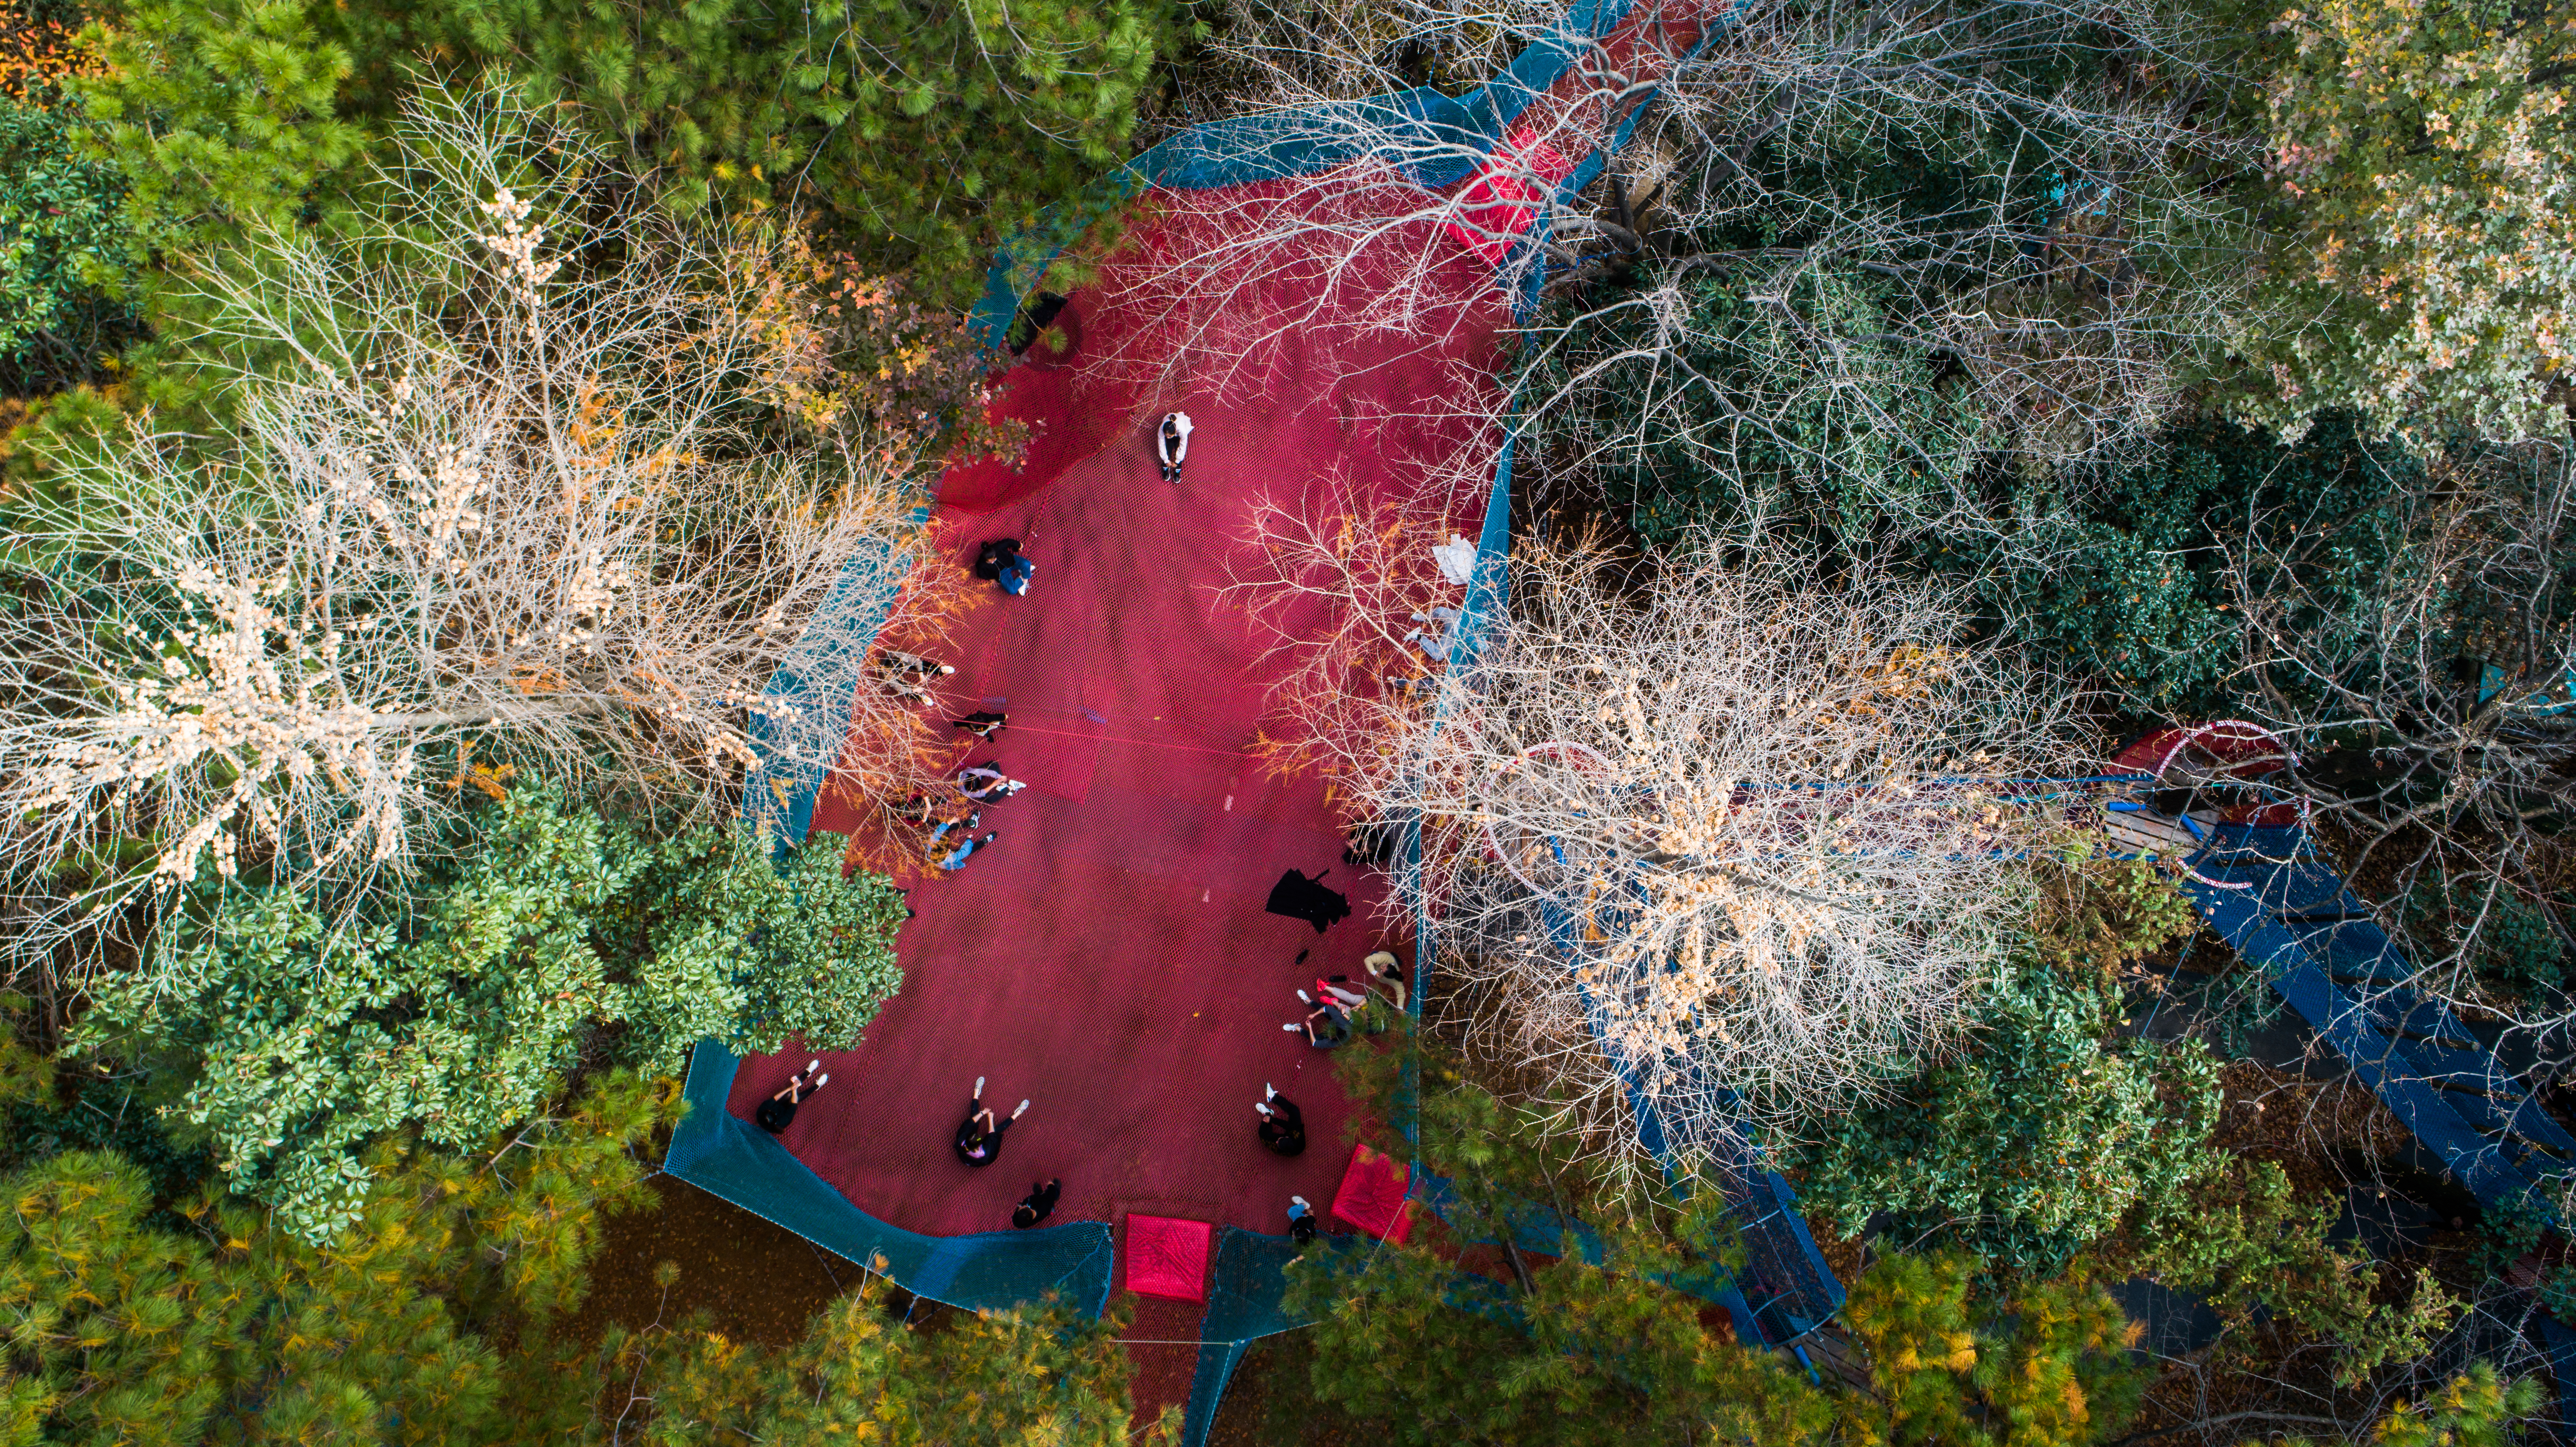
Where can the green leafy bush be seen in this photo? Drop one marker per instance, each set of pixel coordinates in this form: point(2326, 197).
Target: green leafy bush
point(2241, 1239)
point(2046, 1131)
point(456, 1008)
point(62, 234)
point(2033, 1144)
point(2132, 584)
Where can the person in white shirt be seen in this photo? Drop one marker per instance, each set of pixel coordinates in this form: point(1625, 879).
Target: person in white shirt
point(1172, 443)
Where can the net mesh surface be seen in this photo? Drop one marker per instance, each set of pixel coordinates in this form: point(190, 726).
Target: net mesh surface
point(1108, 956)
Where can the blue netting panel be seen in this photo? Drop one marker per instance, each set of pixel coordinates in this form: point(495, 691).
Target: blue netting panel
point(1243, 1307)
point(814, 683)
point(719, 1152)
point(1784, 1282)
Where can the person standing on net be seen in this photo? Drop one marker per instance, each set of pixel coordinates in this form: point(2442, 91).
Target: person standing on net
point(979, 1136)
point(1038, 1204)
point(1172, 443)
point(775, 1112)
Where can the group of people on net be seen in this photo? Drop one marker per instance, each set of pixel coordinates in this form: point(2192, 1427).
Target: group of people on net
point(908, 676)
point(978, 1138)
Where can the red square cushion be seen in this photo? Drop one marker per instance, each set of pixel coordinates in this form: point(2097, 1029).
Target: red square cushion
point(1168, 1257)
point(1372, 1195)
point(1501, 200)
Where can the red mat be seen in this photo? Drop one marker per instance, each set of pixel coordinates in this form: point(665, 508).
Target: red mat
point(1108, 956)
point(1168, 1257)
point(1372, 1195)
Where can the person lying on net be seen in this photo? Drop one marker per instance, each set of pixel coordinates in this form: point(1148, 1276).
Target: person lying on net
point(985, 783)
point(1283, 1126)
point(1326, 1027)
point(1038, 1204)
point(904, 675)
point(956, 858)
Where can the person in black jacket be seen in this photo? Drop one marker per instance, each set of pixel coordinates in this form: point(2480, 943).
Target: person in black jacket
point(1283, 1126)
point(775, 1112)
point(1039, 1204)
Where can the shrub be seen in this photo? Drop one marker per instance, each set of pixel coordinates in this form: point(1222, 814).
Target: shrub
point(2045, 1132)
point(62, 225)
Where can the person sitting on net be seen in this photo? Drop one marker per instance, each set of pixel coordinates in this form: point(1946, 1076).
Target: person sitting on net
point(1387, 970)
point(905, 673)
point(979, 1136)
point(1434, 635)
point(1326, 1026)
point(1301, 1222)
point(1172, 444)
point(1001, 561)
point(1283, 1126)
point(1038, 1205)
point(983, 725)
point(775, 1112)
point(923, 809)
point(956, 858)
point(985, 783)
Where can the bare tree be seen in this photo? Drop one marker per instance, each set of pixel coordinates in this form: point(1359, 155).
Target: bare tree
point(1739, 849)
point(497, 501)
point(1359, 594)
point(1839, 250)
point(1395, 213)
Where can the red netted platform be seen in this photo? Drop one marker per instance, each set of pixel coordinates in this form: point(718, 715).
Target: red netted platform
point(1109, 957)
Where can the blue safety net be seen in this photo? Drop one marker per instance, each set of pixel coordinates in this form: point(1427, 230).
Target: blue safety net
point(722, 1153)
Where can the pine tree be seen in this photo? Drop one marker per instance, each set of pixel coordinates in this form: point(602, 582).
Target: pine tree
point(863, 1375)
point(1596, 1344)
point(231, 1327)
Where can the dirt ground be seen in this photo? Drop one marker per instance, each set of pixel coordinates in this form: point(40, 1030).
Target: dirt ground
point(757, 1281)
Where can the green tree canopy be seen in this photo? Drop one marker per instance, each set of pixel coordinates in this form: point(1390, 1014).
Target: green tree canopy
point(2047, 1129)
point(441, 1315)
point(456, 1006)
point(927, 131)
point(2421, 174)
point(233, 1327)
